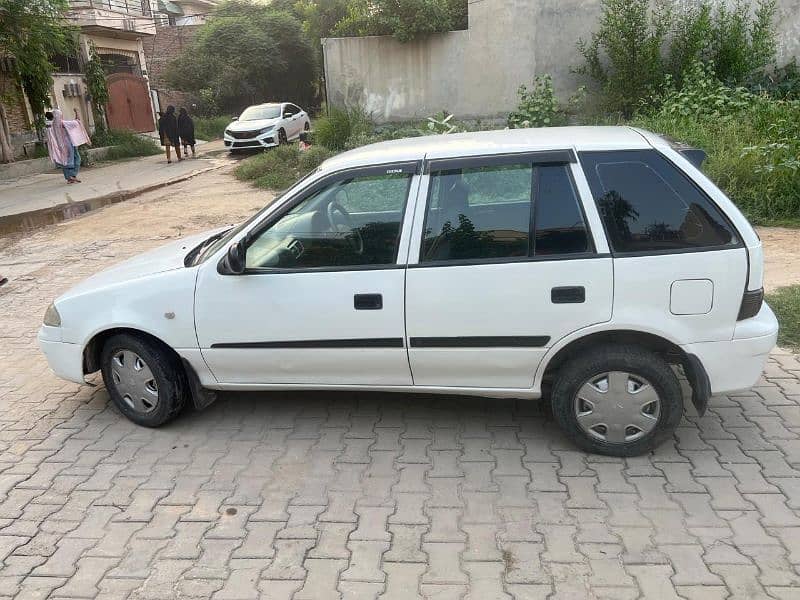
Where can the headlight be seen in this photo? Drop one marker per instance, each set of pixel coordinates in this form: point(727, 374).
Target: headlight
point(266, 129)
point(51, 316)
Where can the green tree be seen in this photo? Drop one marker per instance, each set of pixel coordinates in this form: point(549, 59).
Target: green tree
point(32, 31)
point(247, 53)
point(96, 83)
point(404, 19)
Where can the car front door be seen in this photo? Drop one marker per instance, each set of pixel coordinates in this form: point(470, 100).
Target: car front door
point(503, 265)
point(321, 299)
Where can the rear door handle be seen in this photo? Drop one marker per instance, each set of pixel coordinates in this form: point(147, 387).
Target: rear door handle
point(568, 295)
point(368, 301)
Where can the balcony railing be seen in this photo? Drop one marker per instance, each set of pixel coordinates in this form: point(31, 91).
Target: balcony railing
point(130, 7)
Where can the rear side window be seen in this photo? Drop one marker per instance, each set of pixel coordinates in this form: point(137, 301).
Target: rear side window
point(511, 211)
point(648, 204)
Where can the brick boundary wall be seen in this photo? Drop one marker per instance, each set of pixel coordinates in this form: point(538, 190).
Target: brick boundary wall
point(160, 49)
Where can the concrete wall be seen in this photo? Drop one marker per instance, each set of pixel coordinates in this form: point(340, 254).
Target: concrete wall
point(476, 73)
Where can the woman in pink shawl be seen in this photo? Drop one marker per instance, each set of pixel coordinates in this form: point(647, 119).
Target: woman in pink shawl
point(63, 140)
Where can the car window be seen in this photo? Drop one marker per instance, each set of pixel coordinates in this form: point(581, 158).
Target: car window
point(478, 213)
point(559, 224)
point(296, 108)
point(648, 204)
point(290, 109)
point(351, 222)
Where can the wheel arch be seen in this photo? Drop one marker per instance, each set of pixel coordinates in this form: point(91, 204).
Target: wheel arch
point(666, 348)
point(94, 346)
point(201, 397)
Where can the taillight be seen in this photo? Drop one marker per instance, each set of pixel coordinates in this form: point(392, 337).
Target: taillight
point(751, 304)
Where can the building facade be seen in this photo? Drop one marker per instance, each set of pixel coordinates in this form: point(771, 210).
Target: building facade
point(116, 30)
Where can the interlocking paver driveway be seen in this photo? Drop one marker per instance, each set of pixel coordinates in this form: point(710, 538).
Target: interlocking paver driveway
point(364, 495)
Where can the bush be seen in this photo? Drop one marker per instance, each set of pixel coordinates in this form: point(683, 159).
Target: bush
point(539, 106)
point(124, 144)
point(626, 55)
point(210, 128)
point(280, 167)
point(337, 127)
point(752, 141)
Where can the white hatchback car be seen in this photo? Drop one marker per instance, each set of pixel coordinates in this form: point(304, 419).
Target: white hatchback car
point(266, 125)
point(592, 265)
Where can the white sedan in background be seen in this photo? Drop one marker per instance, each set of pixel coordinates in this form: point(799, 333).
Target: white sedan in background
point(266, 125)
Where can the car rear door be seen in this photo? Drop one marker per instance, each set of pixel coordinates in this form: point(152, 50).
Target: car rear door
point(503, 264)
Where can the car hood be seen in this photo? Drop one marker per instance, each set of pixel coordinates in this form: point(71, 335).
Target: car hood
point(252, 125)
point(165, 258)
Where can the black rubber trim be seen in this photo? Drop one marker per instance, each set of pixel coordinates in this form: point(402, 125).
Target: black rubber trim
point(508, 260)
point(388, 267)
point(511, 341)
point(701, 385)
point(201, 397)
point(490, 160)
point(345, 343)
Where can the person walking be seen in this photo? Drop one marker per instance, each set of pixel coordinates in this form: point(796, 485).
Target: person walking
point(63, 140)
point(168, 132)
point(186, 131)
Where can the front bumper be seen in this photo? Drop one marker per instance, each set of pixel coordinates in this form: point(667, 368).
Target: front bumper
point(737, 364)
point(265, 140)
point(66, 360)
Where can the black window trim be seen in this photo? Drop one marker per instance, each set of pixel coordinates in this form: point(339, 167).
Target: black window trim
point(411, 168)
point(540, 157)
point(535, 160)
point(639, 253)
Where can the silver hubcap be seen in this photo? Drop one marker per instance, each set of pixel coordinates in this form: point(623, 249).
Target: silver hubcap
point(617, 407)
point(134, 381)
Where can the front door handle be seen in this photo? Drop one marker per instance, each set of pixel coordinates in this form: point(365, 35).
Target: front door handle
point(575, 294)
point(368, 301)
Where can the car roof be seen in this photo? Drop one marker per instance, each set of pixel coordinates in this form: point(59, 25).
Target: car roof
point(505, 141)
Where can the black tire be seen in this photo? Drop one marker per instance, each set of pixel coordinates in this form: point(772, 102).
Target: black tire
point(307, 126)
point(168, 374)
point(282, 139)
point(635, 360)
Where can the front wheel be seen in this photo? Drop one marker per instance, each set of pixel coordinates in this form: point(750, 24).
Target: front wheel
point(145, 381)
point(617, 400)
point(282, 139)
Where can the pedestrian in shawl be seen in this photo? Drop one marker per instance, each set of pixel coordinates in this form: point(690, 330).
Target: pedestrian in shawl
point(168, 132)
point(186, 131)
point(63, 140)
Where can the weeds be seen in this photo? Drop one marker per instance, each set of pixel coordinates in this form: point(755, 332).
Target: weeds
point(785, 302)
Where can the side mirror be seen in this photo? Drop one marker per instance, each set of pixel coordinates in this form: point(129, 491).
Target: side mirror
point(287, 114)
point(235, 118)
point(234, 261)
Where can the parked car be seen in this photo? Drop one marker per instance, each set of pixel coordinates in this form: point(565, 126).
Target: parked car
point(594, 265)
point(266, 125)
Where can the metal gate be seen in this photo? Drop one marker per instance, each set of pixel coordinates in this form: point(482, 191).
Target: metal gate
point(128, 103)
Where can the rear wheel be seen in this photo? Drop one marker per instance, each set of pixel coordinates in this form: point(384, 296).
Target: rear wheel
point(144, 380)
point(617, 400)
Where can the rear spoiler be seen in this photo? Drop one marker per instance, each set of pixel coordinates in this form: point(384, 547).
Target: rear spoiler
point(694, 155)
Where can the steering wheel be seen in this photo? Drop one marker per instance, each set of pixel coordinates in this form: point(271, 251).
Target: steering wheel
point(344, 224)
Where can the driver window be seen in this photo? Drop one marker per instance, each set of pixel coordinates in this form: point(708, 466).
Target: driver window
point(352, 222)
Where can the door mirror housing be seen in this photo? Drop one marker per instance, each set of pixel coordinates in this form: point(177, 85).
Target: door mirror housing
point(233, 262)
point(235, 118)
point(287, 114)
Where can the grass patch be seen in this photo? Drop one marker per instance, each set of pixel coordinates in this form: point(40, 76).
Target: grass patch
point(280, 167)
point(210, 128)
point(123, 144)
point(785, 302)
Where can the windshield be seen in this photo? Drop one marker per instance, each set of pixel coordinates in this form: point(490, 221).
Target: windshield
point(217, 241)
point(256, 113)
